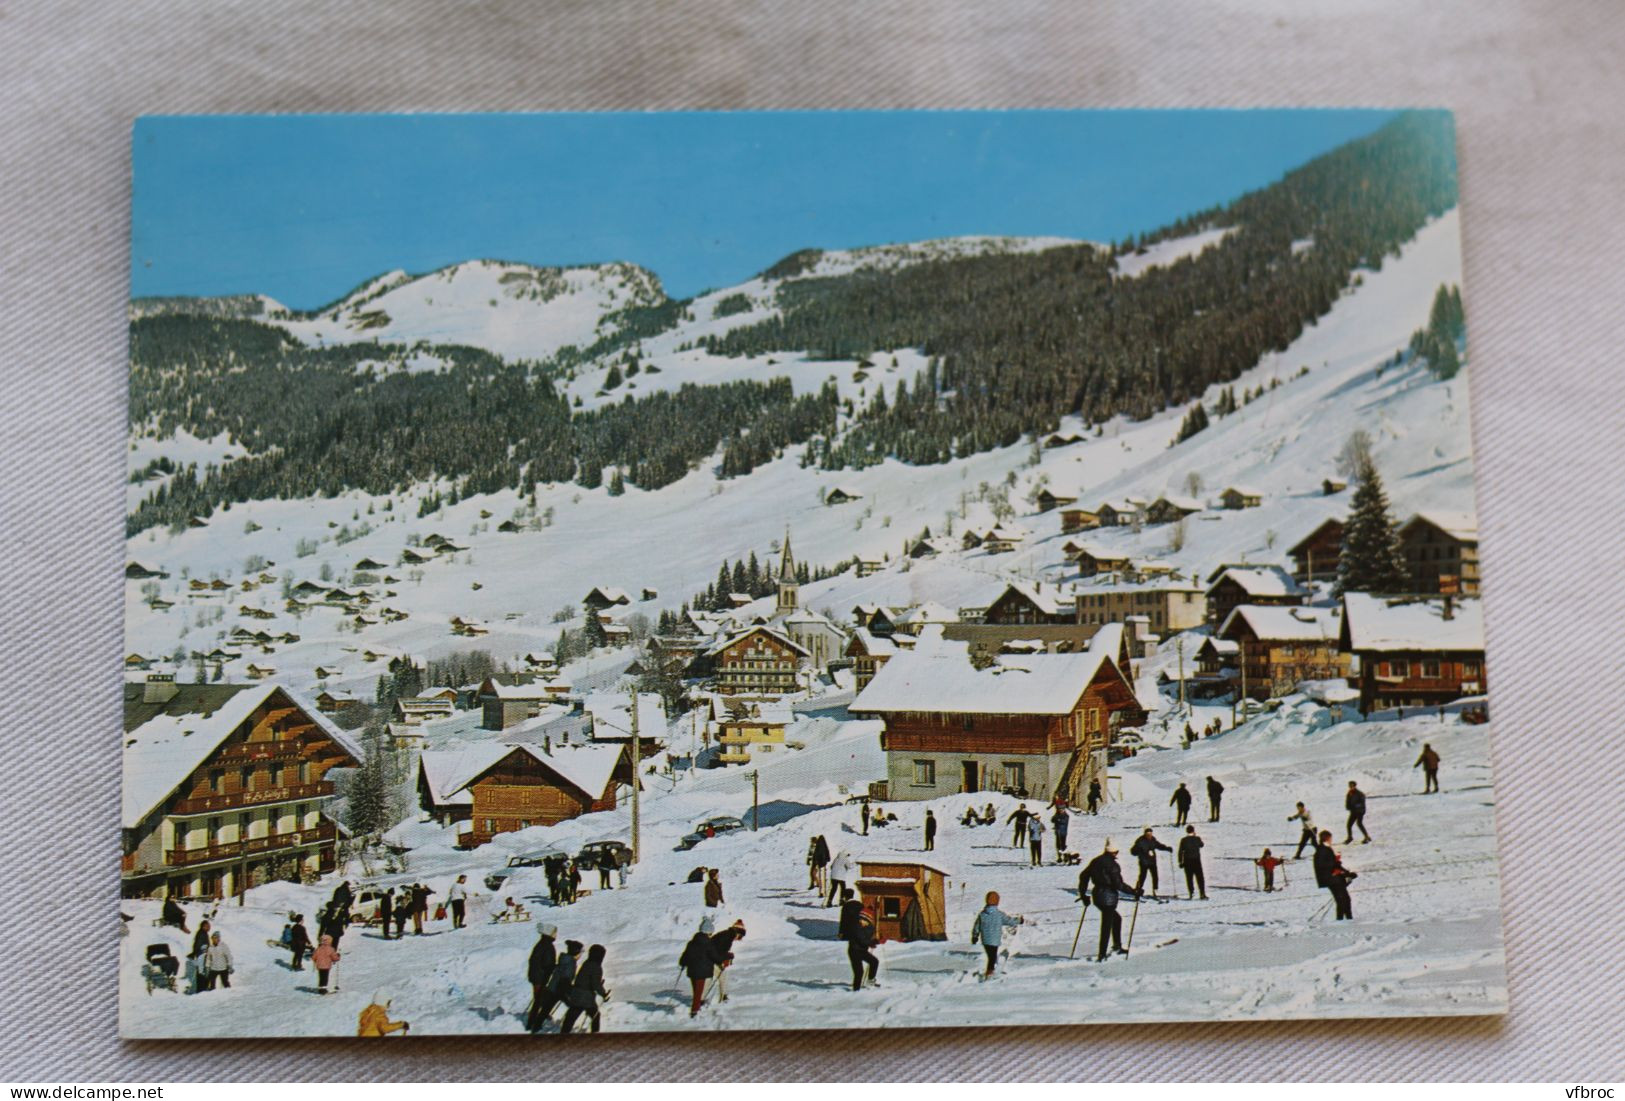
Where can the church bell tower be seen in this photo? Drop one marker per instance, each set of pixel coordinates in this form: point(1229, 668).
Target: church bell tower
point(789, 588)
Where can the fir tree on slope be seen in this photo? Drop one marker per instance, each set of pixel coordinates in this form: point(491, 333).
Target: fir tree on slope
point(368, 798)
point(1372, 560)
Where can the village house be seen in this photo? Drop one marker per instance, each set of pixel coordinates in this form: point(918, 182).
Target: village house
point(1318, 555)
point(1238, 497)
point(840, 495)
point(758, 661)
point(602, 597)
point(1076, 519)
point(135, 571)
point(226, 787)
point(137, 661)
point(1170, 508)
point(508, 527)
point(505, 787)
point(1169, 604)
point(868, 565)
point(369, 565)
point(1231, 585)
point(868, 653)
point(411, 557)
point(876, 619)
point(1218, 668)
point(1281, 646)
point(1062, 439)
point(815, 634)
point(1053, 497)
point(337, 703)
point(609, 719)
point(510, 698)
point(1003, 539)
point(259, 672)
point(928, 547)
point(1120, 513)
point(914, 620)
point(1024, 602)
point(1035, 725)
point(1332, 486)
point(1414, 652)
point(1441, 552)
point(417, 710)
point(1092, 562)
point(750, 723)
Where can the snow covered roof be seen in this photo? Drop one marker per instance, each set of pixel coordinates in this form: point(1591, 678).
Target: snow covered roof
point(512, 687)
point(1184, 504)
point(1260, 580)
point(1048, 601)
point(1094, 586)
point(611, 594)
point(1279, 623)
point(1108, 640)
point(588, 768)
point(723, 643)
point(874, 645)
point(1100, 555)
point(614, 711)
point(446, 772)
point(943, 680)
point(1244, 490)
point(165, 742)
point(1377, 624)
point(896, 858)
point(928, 612)
point(1458, 525)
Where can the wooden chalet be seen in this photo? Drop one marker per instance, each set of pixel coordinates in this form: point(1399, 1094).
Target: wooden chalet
point(1121, 512)
point(1317, 556)
point(369, 565)
point(1441, 552)
point(1414, 652)
point(1030, 603)
point(337, 703)
point(135, 571)
point(876, 619)
point(840, 495)
point(1036, 725)
point(1280, 647)
point(1051, 497)
point(225, 787)
point(1075, 519)
point(134, 660)
point(1230, 586)
point(868, 652)
point(1239, 497)
point(1171, 508)
point(601, 598)
point(505, 787)
point(1062, 439)
point(507, 699)
point(1218, 667)
point(1332, 486)
point(758, 661)
point(868, 567)
point(1002, 539)
point(413, 557)
point(909, 897)
point(1093, 562)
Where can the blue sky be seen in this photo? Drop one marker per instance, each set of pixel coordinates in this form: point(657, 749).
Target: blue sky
point(304, 208)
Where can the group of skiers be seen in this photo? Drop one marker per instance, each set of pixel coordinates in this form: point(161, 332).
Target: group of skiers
point(564, 978)
point(706, 959)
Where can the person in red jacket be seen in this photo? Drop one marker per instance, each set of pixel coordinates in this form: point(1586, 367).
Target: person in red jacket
point(1269, 864)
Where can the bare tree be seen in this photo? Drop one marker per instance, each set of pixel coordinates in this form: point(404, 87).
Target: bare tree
point(1356, 453)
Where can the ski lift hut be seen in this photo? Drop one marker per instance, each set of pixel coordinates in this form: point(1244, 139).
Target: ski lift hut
point(909, 898)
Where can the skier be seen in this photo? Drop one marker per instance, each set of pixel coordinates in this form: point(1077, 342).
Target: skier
point(1355, 802)
point(324, 959)
point(930, 831)
point(1190, 859)
point(1035, 838)
point(840, 870)
point(863, 812)
point(420, 907)
point(217, 964)
point(583, 994)
point(1181, 800)
point(1145, 849)
point(1190, 736)
point(1269, 864)
point(333, 922)
point(572, 881)
point(563, 977)
point(374, 1020)
point(174, 915)
point(699, 961)
point(819, 859)
point(1330, 874)
point(543, 958)
point(1019, 816)
point(1307, 837)
point(298, 941)
point(1106, 877)
point(1428, 762)
point(605, 862)
point(386, 911)
point(195, 958)
point(1215, 792)
point(1094, 796)
point(723, 942)
point(713, 889)
point(457, 896)
point(1061, 820)
point(989, 927)
point(860, 941)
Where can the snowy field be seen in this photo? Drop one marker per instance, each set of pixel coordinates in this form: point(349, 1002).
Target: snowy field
point(1425, 939)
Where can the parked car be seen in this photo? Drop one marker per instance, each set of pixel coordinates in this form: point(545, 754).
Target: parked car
point(598, 853)
point(710, 827)
point(496, 879)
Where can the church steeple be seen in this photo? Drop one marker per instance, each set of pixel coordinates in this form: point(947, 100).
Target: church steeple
point(789, 588)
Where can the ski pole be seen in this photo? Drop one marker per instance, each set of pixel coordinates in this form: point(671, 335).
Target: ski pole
point(1134, 917)
point(1081, 913)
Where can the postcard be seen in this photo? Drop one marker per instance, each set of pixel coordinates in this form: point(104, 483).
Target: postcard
point(805, 570)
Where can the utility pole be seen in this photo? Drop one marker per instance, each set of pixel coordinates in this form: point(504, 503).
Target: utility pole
point(635, 765)
point(755, 798)
point(1182, 706)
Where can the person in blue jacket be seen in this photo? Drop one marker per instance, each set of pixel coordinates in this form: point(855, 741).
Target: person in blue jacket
point(989, 928)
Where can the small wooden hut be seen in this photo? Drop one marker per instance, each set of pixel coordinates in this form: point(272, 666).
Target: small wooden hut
point(909, 898)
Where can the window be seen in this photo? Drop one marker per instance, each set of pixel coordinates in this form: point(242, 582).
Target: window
point(1015, 774)
point(245, 779)
point(891, 907)
point(1094, 719)
point(1430, 670)
point(925, 774)
point(1401, 669)
point(1469, 668)
point(968, 723)
point(217, 781)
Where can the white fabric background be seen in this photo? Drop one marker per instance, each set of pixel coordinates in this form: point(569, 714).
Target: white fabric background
point(1537, 88)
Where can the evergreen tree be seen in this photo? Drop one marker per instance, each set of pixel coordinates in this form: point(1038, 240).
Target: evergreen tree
point(367, 810)
point(1372, 561)
point(617, 484)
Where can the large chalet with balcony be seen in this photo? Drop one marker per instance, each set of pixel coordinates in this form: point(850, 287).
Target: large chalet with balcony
point(758, 661)
point(505, 787)
point(1034, 724)
point(1280, 646)
point(1441, 552)
point(1318, 555)
point(1230, 586)
point(225, 787)
point(1414, 652)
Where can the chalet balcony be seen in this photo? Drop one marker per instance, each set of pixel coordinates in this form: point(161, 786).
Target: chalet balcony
point(238, 850)
point(286, 793)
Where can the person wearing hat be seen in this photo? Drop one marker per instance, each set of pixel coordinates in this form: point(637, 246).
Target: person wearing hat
point(699, 961)
point(1104, 875)
point(723, 943)
point(860, 934)
point(583, 995)
point(543, 958)
point(563, 977)
point(989, 928)
point(375, 1019)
